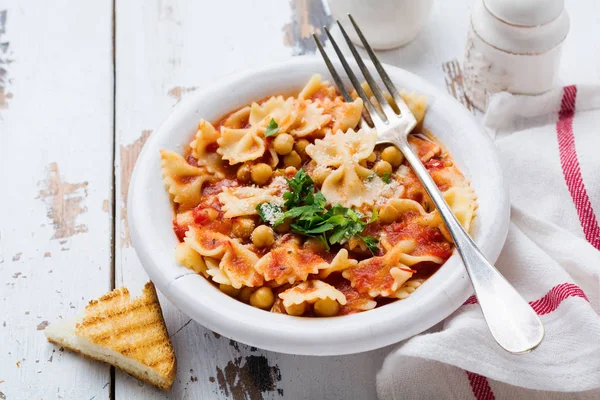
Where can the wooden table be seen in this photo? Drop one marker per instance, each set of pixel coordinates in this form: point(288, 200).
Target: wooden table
point(82, 85)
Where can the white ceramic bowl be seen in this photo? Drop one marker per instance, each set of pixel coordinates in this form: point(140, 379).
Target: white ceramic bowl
point(151, 213)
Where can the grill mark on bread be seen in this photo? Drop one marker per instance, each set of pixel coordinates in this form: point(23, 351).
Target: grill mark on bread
point(130, 334)
point(131, 329)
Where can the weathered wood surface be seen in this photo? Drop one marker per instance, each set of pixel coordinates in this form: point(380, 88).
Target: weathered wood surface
point(56, 171)
point(56, 140)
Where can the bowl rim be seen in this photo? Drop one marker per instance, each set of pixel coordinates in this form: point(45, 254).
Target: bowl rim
point(438, 297)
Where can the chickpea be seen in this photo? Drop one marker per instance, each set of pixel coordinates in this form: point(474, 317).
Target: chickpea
point(300, 147)
point(382, 167)
point(388, 214)
point(245, 294)
point(283, 228)
point(262, 236)
point(229, 290)
point(261, 173)
point(326, 307)
point(393, 156)
point(296, 309)
point(243, 227)
point(283, 143)
point(292, 160)
point(243, 173)
point(290, 171)
point(372, 157)
point(263, 298)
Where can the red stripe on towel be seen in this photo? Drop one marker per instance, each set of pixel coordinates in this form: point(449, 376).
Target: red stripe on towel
point(480, 386)
point(555, 296)
point(571, 168)
point(545, 305)
point(551, 300)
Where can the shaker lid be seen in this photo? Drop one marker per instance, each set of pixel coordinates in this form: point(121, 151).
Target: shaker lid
point(525, 12)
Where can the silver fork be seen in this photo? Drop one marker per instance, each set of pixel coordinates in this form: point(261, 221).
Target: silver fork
point(512, 322)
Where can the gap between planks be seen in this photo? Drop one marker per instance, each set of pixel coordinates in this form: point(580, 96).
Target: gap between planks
point(112, 223)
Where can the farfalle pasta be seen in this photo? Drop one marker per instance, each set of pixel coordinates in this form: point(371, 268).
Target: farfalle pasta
point(289, 205)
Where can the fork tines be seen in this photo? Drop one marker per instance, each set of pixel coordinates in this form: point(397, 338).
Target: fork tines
point(386, 111)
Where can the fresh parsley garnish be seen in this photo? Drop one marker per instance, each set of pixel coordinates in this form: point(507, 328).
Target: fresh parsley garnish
point(371, 243)
point(307, 215)
point(302, 190)
point(386, 177)
point(272, 128)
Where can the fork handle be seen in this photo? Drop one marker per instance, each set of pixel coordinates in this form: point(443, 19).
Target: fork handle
point(512, 322)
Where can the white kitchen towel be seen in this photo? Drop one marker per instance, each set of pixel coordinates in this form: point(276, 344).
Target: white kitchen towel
point(549, 147)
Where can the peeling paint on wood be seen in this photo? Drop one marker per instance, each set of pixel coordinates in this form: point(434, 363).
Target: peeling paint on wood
point(454, 83)
point(17, 256)
point(64, 203)
point(42, 325)
point(129, 155)
point(250, 379)
point(308, 17)
point(178, 92)
point(105, 205)
point(47, 254)
point(5, 61)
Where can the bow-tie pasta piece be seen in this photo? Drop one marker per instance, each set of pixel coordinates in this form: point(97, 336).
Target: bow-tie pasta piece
point(310, 292)
point(238, 264)
point(284, 113)
point(216, 274)
point(426, 149)
point(288, 262)
point(238, 119)
point(462, 202)
point(340, 262)
point(207, 243)
point(239, 145)
point(355, 301)
point(311, 119)
point(184, 181)
point(204, 146)
point(409, 287)
point(382, 275)
point(242, 200)
point(190, 258)
point(316, 89)
point(344, 115)
point(350, 184)
point(236, 260)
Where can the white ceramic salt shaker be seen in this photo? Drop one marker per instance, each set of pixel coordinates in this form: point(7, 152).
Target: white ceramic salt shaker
point(386, 24)
point(514, 46)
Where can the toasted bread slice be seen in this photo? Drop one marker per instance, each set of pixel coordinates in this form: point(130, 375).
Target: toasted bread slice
point(129, 334)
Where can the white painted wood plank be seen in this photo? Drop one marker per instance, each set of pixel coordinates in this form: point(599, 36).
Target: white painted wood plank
point(56, 112)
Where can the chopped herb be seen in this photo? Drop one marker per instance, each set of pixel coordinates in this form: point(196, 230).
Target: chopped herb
point(301, 190)
point(374, 216)
point(272, 128)
point(386, 177)
point(371, 243)
point(269, 212)
point(307, 215)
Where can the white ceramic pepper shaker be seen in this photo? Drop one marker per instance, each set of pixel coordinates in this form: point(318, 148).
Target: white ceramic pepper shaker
point(514, 46)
